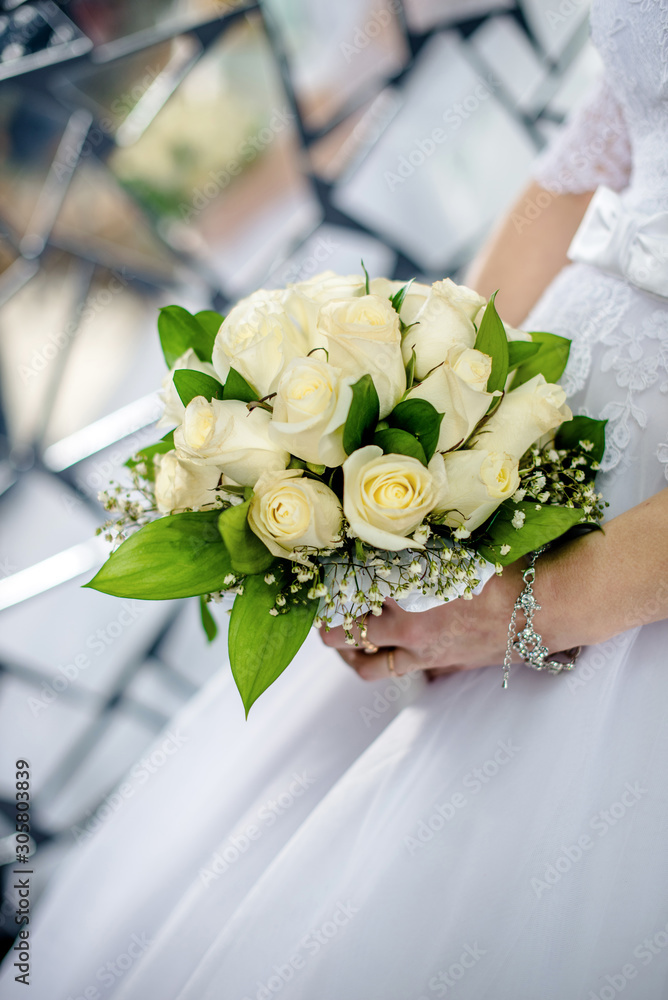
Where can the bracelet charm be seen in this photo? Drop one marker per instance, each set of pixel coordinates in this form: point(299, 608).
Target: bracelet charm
point(528, 642)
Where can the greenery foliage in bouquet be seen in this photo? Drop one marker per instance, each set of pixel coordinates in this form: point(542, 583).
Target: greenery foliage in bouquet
point(339, 442)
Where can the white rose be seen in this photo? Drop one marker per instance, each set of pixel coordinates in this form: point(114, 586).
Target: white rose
point(473, 367)
point(511, 332)
point(181, 483)
point(226, 434)
point(288, 511)
point(363, 336)
point(328, 285)
point(464, 298)
point(457, 389)
point(173, 406)
point(310, 410)
point(386, 497)
point(413, 301)
point(477, 482)
point(523, 416)
point(444, 320)
point(304, 298)
point(257, 339)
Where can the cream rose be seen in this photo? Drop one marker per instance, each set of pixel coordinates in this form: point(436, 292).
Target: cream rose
point(457, 389)
point(226, 434)
point(173, 407)
point(363, 336)
point(464, 298)
point(181, 483)
point(288, 511)
point(386, 497)
point(477, 482)
point(257, 339)
point(414, 299)
point(304, 298)
point(471, 366)
point(328, 285)
point(523, 416)
point(445, 320)
point(310, 410)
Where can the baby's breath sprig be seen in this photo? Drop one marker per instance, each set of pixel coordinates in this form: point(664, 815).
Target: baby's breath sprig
point(353, 587)
point(558, 476)
point(132, 505)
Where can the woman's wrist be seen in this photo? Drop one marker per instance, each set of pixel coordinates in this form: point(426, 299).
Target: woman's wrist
point(573, 610)
point(605, 582)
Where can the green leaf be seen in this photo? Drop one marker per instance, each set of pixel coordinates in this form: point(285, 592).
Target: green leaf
point(398, 442)
point(180, 330)
point(491, 339)
point(550, 359)
point(540, 526)
point(179, 555)
point(189, 384)
point(237, 491)
point(366, 278)
point(262, 645)
point(397, 299)
point(420, 419)
point(210, 322)
point(362, 416)
point(519, 351)
point(579, 429)
point(248, 553)
point(410, 370)
point(236, 387)
point(208, 621)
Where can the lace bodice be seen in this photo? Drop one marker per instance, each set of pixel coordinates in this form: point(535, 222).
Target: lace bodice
point(619, 135)
point(618, 367)
point(592, 149)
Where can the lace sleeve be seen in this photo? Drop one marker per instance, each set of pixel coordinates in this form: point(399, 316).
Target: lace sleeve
point(592, 148)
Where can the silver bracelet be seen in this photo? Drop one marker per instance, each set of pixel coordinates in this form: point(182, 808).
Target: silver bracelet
point(528, 642)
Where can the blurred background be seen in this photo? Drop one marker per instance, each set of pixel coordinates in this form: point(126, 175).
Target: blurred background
point(190, 151)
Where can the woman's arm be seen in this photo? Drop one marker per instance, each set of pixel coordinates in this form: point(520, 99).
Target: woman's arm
point(607, 582)
point(527, 250)
point(589, 589)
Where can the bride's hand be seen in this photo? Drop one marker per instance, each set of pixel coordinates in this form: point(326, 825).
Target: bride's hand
point(589, 589)
point(461, 635)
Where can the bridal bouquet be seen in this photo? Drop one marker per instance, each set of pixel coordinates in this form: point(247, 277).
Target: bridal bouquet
point(339, 442)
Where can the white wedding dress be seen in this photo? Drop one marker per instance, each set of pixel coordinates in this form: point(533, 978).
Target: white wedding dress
point(478, 844)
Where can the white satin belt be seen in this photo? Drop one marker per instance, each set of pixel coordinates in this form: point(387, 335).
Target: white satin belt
point(629, 244)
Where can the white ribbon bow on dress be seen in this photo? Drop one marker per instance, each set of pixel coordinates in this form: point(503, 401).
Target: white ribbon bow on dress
point(627, 243)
